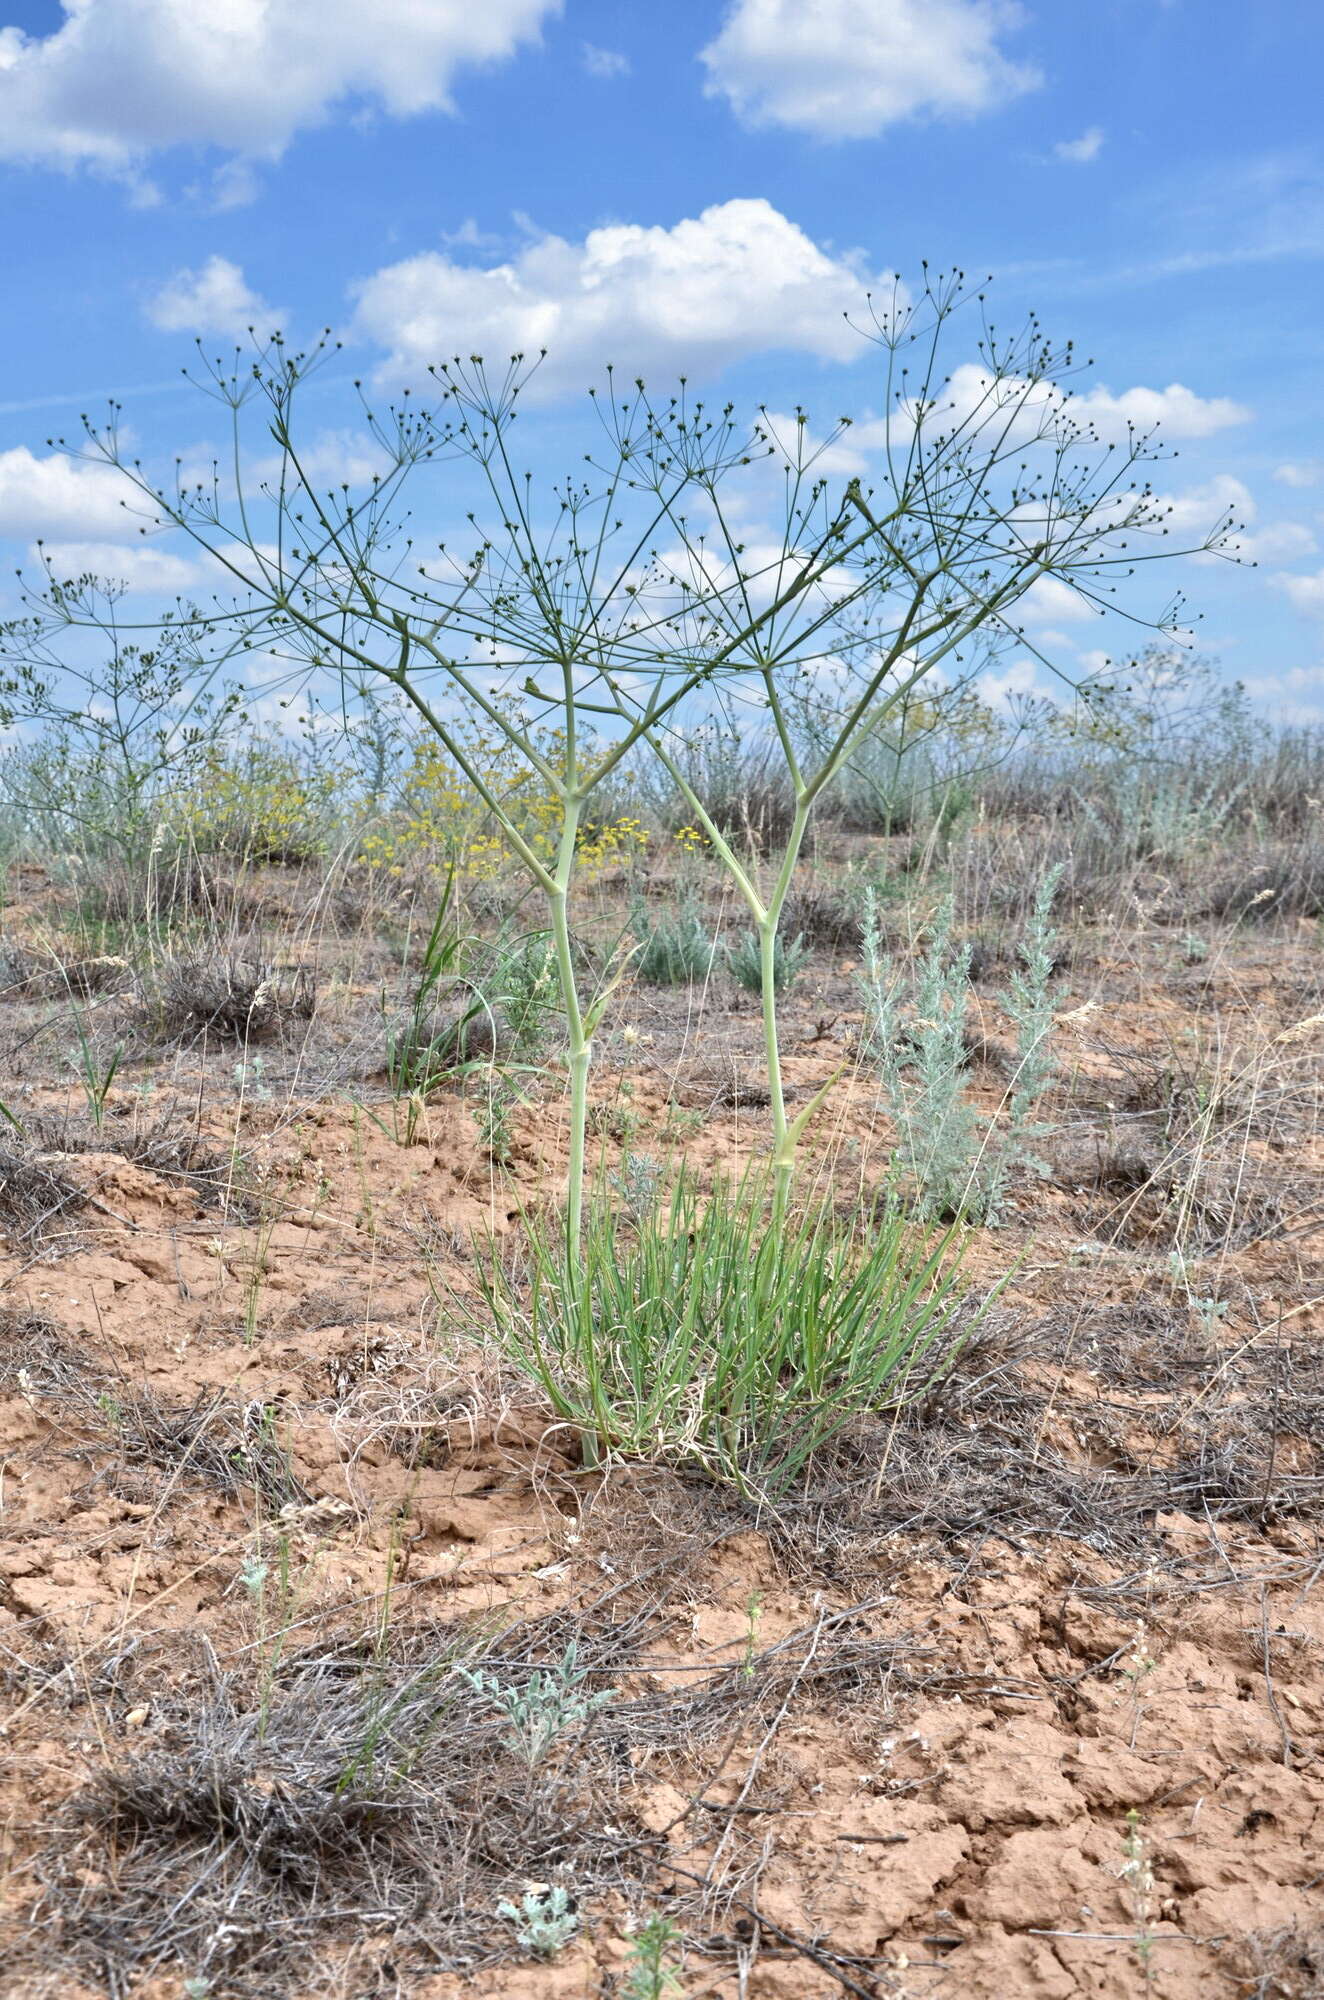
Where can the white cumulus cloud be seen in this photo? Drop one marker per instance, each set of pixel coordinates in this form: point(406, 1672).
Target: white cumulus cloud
point(216, 298)
point(1198, 509)
point(1276, 541)
point(738, 279)
point(141, 567)
point(330, 458)
point(61, 497)
point(1299, 473)
point(119, 79)
point(1305, 593)
point(1081, 151)
point(606, 64)
point(1002, 687)
point(970, 394)
point(1050, 602)
point(1294, 696)
point(847, 69)
point(1177, 410)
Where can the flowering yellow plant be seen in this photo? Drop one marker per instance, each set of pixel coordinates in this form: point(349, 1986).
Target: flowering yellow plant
point(257, 801)
point(441, 819)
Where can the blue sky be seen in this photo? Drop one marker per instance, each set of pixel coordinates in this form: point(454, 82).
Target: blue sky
point(697, 187)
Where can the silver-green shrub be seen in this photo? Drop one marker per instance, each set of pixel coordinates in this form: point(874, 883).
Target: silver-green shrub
point(548, 1706)
point(744, 962)
point(545, 1920)
point(958, 1163)
point(673, 950)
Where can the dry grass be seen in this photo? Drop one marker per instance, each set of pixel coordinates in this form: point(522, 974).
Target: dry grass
point(38, 1356)
point(234, 1448)
point(371, 1796)
point(990, 1455)
point(164, 1145)
point(229, 999)
point(1283, 1965)
point(36, 1200)
point(828, 919)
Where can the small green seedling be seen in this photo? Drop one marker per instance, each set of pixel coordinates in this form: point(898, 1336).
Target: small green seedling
point(652, 1973)
point(551, 1702)
point(1137, 1873)
point(545, 1920)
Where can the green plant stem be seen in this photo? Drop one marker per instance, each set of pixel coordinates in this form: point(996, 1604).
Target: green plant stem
point(580, 1055)
point(767, 916)
point(782, 1163)
point(785, 1136)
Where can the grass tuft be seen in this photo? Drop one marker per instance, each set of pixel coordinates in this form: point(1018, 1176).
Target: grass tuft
point(229, 998)
point(706, 1339)
point(745, 963)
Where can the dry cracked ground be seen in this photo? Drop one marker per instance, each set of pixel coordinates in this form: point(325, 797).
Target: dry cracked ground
point(1023, 1697)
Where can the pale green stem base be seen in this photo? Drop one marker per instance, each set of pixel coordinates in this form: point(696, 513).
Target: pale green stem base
point(580, 1056)
point(785, 1135)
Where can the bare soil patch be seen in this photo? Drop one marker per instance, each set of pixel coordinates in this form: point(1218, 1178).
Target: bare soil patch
point(1023, 1696)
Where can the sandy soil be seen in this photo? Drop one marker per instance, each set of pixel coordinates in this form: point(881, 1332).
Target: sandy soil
point(885, 1743)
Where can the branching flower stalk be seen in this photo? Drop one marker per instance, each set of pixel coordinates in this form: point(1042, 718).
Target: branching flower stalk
point(590, 620)
point(113, 727)
point(986, 483)
point(571, 636)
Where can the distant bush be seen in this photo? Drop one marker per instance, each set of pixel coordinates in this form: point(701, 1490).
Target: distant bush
point(257, 800)
point(959, 1165)
point(674, 949)
point(228, 998)
point(736, 779)
point(436, 817)
point(745, 963)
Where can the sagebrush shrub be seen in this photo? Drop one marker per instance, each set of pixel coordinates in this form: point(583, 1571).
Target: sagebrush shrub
point(525, 983)
point(674, 950)
point(959, 1164)
point(922, 1064)
point(745, 963)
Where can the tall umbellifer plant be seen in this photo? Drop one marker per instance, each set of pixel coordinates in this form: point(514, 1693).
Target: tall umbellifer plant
point(982, 482)
point(116, 729)
point(571, 622)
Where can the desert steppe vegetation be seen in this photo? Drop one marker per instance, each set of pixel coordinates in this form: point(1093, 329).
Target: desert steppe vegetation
point(660, 1334)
